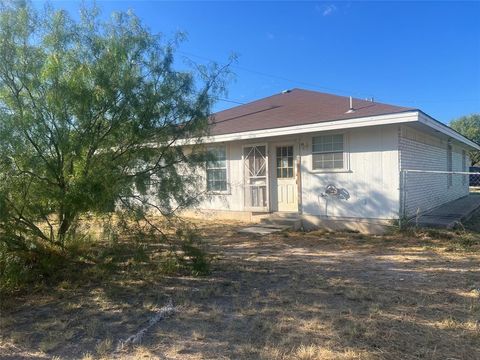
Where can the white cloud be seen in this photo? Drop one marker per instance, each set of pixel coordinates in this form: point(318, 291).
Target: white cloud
point(326, 10)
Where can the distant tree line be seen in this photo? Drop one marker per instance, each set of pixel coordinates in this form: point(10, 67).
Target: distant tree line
point(469, 126)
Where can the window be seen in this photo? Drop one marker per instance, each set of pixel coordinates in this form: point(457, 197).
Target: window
point(327, 152)
point(284, 162)
point(449, 165)
point(217, 169)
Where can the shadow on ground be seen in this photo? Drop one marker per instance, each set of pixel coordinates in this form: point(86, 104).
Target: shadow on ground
point(292, 295)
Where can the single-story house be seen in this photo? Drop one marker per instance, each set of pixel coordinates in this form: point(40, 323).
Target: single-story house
point(330, 159)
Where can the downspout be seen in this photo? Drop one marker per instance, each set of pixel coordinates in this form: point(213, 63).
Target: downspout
point(401, 180)
point(299, 177)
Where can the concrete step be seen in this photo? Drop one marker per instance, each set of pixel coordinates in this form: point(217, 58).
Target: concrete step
point(261, 229)
point(294, 223)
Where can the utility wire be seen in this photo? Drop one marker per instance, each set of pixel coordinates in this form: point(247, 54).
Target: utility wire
point(230, 101)
point(317, 86)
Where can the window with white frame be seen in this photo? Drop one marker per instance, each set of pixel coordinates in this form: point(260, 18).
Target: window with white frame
point(327, 152)
point(217, 169)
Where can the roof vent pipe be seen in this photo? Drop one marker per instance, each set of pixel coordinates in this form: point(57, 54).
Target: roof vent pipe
point(351, 109)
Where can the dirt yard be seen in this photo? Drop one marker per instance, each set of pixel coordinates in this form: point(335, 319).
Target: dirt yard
point(303, 296)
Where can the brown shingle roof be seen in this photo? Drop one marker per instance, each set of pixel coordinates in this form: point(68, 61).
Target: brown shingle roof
point(296, 107)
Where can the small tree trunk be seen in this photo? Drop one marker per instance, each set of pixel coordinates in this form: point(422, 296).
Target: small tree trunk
point(65, 222)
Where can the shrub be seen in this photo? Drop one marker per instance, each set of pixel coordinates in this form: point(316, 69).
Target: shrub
point(195, 259)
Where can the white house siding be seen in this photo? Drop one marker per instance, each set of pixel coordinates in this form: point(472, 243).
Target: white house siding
point(232, 199)
point(424, 191)
point(371, 179)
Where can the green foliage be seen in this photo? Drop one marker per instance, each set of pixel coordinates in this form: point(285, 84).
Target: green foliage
point(18, 268)
point(192, 257)
point(469, 126)
point(464, 241)
point(196, 259)
point(96, 259)
point(90, 111)
point(14, 270)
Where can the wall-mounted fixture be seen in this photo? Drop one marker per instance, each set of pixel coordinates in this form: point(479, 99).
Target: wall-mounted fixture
point(332, 191)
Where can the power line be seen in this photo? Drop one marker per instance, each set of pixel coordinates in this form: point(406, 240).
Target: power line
point(317, 86)
point(230, 101)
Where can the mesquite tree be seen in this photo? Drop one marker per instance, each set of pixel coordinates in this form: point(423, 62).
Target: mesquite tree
point(90, 114)
point(469, 126)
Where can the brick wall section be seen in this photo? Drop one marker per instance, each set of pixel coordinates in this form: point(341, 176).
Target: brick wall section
point(424, 191)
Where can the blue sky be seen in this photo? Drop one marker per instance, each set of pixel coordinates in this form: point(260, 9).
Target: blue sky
point(419, 54)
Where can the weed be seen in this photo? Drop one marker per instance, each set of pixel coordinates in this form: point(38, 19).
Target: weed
point(195, 259)
point(169, 265)
point(48, 343)
point(306, 352)
point(104, 347)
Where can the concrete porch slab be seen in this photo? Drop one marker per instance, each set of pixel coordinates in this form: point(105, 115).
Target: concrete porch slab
point(262, 229)
point(450, 214)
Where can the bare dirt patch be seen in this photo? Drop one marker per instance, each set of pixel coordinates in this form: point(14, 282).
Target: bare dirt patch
point(291, 295)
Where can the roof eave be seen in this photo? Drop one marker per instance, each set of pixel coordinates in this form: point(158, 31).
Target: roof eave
point(376, 120)
point(446, 130)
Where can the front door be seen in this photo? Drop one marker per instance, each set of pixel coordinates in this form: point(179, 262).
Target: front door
point(256, 175)
point(286, 181)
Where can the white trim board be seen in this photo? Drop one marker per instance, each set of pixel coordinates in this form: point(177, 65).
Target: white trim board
point(437, 126)
point(388, 119)
point(414, 116)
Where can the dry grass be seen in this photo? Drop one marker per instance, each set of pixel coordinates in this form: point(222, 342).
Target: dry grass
point(304, 296)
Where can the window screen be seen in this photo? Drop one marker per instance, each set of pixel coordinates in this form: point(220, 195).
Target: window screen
point(217, 169)
point(327, 152)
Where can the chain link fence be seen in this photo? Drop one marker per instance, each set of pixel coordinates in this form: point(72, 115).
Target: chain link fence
point(474, 179)
point(423, 190)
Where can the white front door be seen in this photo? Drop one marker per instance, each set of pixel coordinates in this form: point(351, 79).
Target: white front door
point(286, 178)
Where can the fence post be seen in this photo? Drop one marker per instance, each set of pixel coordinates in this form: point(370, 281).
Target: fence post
point(405, 194)
point(403, 198)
